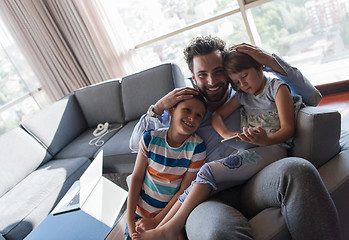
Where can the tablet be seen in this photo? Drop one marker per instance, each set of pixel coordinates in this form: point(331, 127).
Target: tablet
point(231, 142)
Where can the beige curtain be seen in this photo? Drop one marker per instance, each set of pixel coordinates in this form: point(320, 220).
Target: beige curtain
point(67, 42)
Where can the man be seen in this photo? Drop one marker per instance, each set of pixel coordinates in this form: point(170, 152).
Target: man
point(293, 186)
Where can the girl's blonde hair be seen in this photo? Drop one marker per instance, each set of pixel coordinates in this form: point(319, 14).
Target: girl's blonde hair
point(236, 62)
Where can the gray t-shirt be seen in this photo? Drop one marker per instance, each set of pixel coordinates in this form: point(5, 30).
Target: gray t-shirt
point(261, 110)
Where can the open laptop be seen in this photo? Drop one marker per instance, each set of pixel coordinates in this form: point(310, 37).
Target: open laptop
point(94, 194)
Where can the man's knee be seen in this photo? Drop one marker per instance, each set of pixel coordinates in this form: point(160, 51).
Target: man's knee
point(297, 169)
point(215, 220)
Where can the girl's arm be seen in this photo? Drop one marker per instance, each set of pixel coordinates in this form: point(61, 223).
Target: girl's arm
point(220, 114)
point(135, 189)
point(284, 105)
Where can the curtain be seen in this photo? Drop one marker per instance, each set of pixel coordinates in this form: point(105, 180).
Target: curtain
point(67, 43)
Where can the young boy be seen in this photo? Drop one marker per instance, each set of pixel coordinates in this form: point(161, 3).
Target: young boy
point(167, 162)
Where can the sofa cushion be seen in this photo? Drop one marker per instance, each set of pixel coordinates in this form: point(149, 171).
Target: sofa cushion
point(20, 155)
point(142, 89)
point(87, 144)
point(317, 135)
point(58, 124)
point(101, 103)
point(31, 200)
point(118, 157)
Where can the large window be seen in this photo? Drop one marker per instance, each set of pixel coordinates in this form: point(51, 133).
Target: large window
point(20, 91)
point(311, 35)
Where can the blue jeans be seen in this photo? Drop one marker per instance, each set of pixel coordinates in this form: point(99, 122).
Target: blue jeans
point(127, 232)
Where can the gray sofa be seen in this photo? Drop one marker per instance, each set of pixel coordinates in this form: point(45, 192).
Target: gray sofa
point(47, 153)
point(41, 158)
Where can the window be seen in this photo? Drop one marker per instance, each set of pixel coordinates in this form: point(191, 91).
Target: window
point(20, 93)
point(310, 34)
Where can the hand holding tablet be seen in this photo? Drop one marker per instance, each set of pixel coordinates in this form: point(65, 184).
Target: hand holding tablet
point(235, 142)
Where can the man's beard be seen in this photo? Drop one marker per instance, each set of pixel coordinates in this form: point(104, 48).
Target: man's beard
point(217, 96)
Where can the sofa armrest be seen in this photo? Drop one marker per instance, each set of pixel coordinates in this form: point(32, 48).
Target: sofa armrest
point(317, 135)
point(269, 224)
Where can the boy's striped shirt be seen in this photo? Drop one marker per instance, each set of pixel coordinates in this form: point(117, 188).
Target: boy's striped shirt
point(166, 169)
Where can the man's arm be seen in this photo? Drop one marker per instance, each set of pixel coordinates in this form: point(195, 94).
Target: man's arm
point(298, 83)
point(147, 122)
point(262, 57)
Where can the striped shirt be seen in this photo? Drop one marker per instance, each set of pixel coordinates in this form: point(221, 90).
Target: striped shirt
point(166, 169)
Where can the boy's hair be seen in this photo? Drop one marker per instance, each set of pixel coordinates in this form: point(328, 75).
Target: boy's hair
point(198, 96)
point(202, 46)
point(236, 62)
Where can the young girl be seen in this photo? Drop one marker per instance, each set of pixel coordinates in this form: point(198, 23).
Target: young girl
point(167, 162)
point(267, 120)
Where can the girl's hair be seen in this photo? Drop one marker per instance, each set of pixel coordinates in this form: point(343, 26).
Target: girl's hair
point(198, 96)
point(236, 62)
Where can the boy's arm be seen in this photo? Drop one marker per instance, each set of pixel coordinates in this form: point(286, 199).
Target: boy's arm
point(151, 223)
point(220, 114)
point(135, 189)
point(188, 178)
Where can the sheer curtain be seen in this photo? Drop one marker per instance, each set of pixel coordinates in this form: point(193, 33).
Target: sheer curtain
point(67, 42)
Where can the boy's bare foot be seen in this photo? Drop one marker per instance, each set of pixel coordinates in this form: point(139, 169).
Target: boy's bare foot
point(154, 234)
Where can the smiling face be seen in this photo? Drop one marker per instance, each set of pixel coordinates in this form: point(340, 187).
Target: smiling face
point(251, 81)
point(209, 77)
point(186, 117)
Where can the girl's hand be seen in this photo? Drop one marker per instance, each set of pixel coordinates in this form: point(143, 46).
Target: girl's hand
point(255, 135)
point(228, 134)
point(147, 223)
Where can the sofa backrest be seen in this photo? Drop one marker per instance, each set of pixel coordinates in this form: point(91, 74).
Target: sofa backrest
point(317, 135)
point(21, 154)
point(57, 125)
point(142, 89)
point(101, 103)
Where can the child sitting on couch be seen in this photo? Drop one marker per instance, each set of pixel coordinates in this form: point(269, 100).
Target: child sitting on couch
point(167, 162)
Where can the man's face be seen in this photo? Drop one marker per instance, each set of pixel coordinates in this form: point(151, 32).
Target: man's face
point(209, 77)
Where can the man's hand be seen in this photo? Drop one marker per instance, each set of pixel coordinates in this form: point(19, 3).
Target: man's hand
point(264, 58)
point(172, 98)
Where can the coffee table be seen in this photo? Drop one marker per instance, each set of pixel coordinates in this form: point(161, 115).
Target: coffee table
point(71, 225)
point(77, 224)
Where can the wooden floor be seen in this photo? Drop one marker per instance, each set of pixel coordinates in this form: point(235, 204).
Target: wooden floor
point(339, 102)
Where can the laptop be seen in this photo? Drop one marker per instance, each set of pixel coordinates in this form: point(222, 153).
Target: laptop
point(94, 194)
